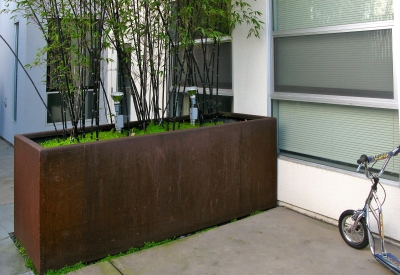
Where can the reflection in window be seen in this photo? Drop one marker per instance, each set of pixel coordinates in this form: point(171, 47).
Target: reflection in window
point(302, 14)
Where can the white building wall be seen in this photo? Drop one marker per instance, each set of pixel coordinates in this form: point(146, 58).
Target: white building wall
point(396, 53)
point(6, 87)
point(31, 111)
point(324, 193)
point(315, 190)
point(251, 59)
point(28, 104)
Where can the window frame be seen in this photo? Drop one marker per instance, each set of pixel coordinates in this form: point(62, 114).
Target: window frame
point(334, 99)
point(88, 99)
point(380, 103)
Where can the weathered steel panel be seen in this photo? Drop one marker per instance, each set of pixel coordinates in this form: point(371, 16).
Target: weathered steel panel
point(105, 197)
point(27, 196)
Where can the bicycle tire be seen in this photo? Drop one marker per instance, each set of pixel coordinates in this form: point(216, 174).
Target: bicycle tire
point(358, 239)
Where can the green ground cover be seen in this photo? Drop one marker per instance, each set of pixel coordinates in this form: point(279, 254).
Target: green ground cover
point(105, 135)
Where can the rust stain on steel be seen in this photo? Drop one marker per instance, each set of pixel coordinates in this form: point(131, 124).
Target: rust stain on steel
point(27, 196)
point(101, 198)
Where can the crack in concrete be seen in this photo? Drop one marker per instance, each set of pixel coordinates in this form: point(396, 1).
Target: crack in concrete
point(120, 272)
point(4, 239)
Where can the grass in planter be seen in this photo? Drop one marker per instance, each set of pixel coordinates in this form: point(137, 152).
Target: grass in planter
point(150, 129)
point(153, 128)
point(88, 138)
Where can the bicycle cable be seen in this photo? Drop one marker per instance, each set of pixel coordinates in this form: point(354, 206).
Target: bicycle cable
point(384, 191)
point(373, 164)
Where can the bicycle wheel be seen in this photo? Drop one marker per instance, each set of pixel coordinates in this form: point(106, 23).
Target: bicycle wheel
point(357, 239)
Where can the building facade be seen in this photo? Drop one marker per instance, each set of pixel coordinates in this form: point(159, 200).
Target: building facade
point(327, 70)
point(23, 101)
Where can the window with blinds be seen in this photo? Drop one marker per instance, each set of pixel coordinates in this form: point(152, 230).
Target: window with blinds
point(347, 64)
point(337, 133)
point(334, 49)
point(302, 14)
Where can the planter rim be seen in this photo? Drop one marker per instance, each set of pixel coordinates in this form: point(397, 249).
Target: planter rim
point(30, 137)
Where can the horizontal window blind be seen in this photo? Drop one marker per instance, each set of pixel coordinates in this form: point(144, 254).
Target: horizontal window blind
point(336, 132)
point(301, 14)
point(349, 64)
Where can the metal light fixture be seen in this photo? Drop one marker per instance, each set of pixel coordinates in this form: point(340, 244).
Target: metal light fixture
point(194, 111)
point(119, 119)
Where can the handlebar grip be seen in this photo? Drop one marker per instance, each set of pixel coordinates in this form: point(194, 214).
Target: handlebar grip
point(396, 151)
point(362, 159)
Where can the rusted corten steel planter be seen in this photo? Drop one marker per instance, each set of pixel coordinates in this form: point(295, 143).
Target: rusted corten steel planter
point(83, 202)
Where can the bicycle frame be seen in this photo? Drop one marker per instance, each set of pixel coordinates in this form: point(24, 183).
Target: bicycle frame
point(385, 258)
point(377, 214)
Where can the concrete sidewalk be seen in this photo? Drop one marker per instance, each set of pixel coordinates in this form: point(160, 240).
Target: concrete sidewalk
point(11, 261)
point(278, 241)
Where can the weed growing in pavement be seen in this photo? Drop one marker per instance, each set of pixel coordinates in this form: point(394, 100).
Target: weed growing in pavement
point(255, 213)
point(67, 269)
point(132, 250)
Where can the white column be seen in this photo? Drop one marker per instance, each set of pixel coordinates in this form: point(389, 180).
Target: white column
point(251, 65)
point(396, 53)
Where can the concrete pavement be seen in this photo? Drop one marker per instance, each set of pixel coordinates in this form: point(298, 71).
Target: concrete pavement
point(278, 241)
point(11, 261)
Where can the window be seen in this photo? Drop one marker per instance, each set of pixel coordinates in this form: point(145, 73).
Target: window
point(304, 14)
point(77, 72)
point(124, 86)
point(334, 95)
point(57, 106)
point(336, 134)
point(16, 45)
point(356, 64)
point(214, 76)
point(201, 56)
point(224, 73)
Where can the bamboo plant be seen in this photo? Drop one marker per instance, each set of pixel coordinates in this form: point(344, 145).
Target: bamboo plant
point(158, 45)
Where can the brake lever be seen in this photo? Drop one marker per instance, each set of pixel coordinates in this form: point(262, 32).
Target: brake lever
point(359, 167)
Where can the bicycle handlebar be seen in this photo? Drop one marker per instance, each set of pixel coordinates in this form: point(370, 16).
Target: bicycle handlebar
point(364, 160)
point(386, 155)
